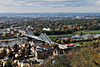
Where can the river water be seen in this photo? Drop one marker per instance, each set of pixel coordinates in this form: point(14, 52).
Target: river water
point(84, 36)
point(9, 43)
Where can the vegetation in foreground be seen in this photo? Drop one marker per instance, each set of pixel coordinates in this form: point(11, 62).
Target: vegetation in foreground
point(87, 55)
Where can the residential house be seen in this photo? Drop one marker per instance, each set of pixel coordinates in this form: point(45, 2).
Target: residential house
point(42, 52)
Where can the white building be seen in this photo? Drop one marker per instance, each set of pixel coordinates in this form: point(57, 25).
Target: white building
point(47, 29)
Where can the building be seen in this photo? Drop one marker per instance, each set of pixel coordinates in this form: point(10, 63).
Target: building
point(58, 52)
point(47, 29)
point(42, 52)
point(22, 31)
point(24, 64)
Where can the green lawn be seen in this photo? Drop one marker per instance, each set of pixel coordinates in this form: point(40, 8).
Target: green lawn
point(88, 32)
point(84, 32)
point(78, 43)
point(60, 35)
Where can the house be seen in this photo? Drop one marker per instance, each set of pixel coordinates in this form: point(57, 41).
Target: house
point(8, 50)
point(22, 31)
point(64, 49)
point(42, 52)
point(61, 51)
point(58, 52)
point(4, 32)
point(62, 46)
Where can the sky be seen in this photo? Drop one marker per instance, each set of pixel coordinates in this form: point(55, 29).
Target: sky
point(49, 6)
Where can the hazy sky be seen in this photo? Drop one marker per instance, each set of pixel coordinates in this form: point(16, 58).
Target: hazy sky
point(49, 6)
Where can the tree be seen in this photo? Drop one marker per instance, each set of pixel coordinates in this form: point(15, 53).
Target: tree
point(15, 46)
point(81, 34)
point(29, 49)
point(10, 55)
point(4, 51)
point(30, 62)
point(26, 52)
point(61, 61)
point(58, 61)
point(99, 38)
point(87, 56)
point(55, 46)
point(62, 41)
point(8, 63)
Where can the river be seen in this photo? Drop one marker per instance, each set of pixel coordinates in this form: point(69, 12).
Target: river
point(9, 43)
point(84, 36)
point(19, 41)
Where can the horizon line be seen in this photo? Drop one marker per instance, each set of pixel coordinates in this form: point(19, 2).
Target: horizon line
point(54, 12)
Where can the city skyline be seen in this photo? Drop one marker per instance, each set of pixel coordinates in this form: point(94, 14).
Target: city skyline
point(49, 6)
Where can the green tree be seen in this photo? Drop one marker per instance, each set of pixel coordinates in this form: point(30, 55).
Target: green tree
point(10, 55)
point(4, 51)
point(16, 47)
point(99, 38)
point(26, 52)
point(62, 41)
point(86, 56)
point(8, 63)
point(62, 61)
point(29, 49)
point(81, 34)
point(54, 45)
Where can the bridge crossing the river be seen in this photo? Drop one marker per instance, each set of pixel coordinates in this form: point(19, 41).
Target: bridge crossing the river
point(41, 37)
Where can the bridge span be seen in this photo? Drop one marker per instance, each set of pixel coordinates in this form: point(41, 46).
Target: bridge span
point(41, 37)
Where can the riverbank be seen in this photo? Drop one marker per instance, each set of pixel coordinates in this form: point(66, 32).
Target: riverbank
point(13, 39)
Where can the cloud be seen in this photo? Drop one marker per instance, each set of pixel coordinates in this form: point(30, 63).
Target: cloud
point(51, 4)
